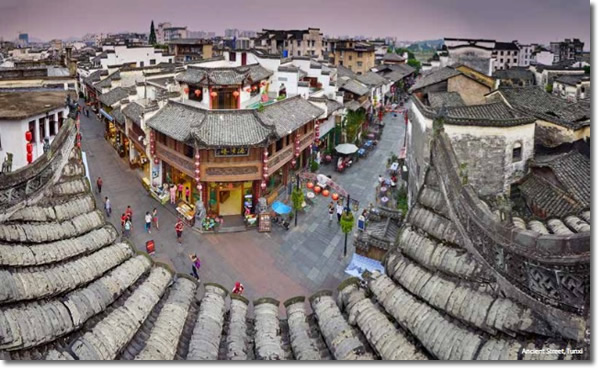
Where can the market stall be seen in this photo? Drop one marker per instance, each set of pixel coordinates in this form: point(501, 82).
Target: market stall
point(187, 212)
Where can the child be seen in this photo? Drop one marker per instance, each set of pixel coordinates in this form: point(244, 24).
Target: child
point(123, 219)
point(127, 229)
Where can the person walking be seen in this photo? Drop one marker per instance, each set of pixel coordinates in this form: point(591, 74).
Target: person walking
point(331, 211)
point(180, 191)
point(195, 266)
point(238, 288)
point(123, 219)
point(148, 224)
point(127, 229)
point(187, 194)
point(155, 218)
point(339, 210)
point(179, 230)
point(99, 185)
point(172, 193)
point(129, 213)
point(107, 206)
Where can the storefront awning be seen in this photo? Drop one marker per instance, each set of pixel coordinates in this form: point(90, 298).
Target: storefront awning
point(108, 116)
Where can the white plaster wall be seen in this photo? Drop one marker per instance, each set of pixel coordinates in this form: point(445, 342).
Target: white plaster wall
point(124, 54)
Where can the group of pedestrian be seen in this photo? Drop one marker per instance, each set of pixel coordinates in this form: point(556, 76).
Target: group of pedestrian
point(149, 219)
point(337, 208)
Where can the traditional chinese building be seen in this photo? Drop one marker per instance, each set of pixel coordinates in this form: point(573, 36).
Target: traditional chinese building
point(230, 156)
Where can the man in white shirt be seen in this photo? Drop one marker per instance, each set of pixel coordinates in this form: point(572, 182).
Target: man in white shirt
point(339, 210)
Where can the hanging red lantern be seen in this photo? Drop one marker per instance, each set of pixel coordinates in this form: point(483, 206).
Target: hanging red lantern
point(310, 185)
point(197, 92)
point(29, 157)
point(335, 196)
point(199, 187)
point(214, 94)
point(263, 185)
point(29, 147)
point(197, 155)
point(186, 90)
point(248, 89)
point(317, 189)
point(294, 162)
point(79, 144)
point(254, 88)
point(263, 84)
point(325, 193)
point(266, 175)
point(156, 161)
point(28, 136)
point(236, 94)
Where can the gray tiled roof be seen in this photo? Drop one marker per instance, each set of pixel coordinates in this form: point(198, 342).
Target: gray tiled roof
point(214, 128)
point(393, 57)
point(223, 76)
point(133, 111)
point(542, 105)
point(115, 95)
point(491, 115)
point(433, 77)
point(514, 73)
point(352, 105)
point(572, 170)
point(289, 114)
point(231, 128)
point(176, 120)
point(572, 80)
point(449, 99)
point(372, 79)
point(107, 82)
point(345, 72)
point(330, 104)
point(95, 76)
point(355, 87)
point(118, 115)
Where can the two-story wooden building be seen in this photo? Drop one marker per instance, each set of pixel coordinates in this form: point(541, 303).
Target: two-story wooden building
point(229, 156)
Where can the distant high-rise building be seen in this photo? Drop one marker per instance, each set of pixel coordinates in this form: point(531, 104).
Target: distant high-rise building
point(232, 32)
point(23, 39)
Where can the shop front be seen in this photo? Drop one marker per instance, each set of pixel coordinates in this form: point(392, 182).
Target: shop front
point(230, 198)
point(137, 151)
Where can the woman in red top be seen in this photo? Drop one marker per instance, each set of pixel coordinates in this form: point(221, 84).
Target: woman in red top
point(179, 230)
point(129, 213)
point(238, 288)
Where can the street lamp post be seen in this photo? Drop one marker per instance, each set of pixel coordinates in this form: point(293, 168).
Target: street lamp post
point(346, 234)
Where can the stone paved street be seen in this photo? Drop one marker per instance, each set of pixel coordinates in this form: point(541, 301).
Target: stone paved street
point(281, 264)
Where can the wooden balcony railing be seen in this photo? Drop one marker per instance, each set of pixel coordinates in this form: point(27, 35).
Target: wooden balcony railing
point(178, 160)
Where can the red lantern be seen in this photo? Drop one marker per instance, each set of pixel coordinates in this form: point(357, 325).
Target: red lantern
point(29, 147)
point(248, 89)
point(28, 136)
point(186, 90)
point(156, 160)
point(263, 185)
point(197, 92)
point(213, 94)
point(335, 196)
point(254, 88)
point(317, 189)
point(79, 144)
point(199, 187)
point(266, 175)
point(310, 185)
point(294, 162)
point(236, 94)
point(325, 193)
point(29, 157)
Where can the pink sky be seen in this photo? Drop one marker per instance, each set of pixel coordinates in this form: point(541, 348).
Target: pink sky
point(526, 20)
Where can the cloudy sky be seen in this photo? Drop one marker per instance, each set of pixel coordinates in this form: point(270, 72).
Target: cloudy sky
point(526, 20)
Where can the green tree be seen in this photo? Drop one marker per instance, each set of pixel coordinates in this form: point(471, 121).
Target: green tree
point(353, 122)
point(415, 64)
point(152, 37)
point(549, 88)
point(297, 199)
point(347, 222)
point(401, 51)
point(587, 70)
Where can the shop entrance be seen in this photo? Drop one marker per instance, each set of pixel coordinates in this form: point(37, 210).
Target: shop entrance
point(230, 200)
point(227, 199)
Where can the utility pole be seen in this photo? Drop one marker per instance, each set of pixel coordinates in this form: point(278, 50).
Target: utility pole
point(297, 188)
point(346, 234)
